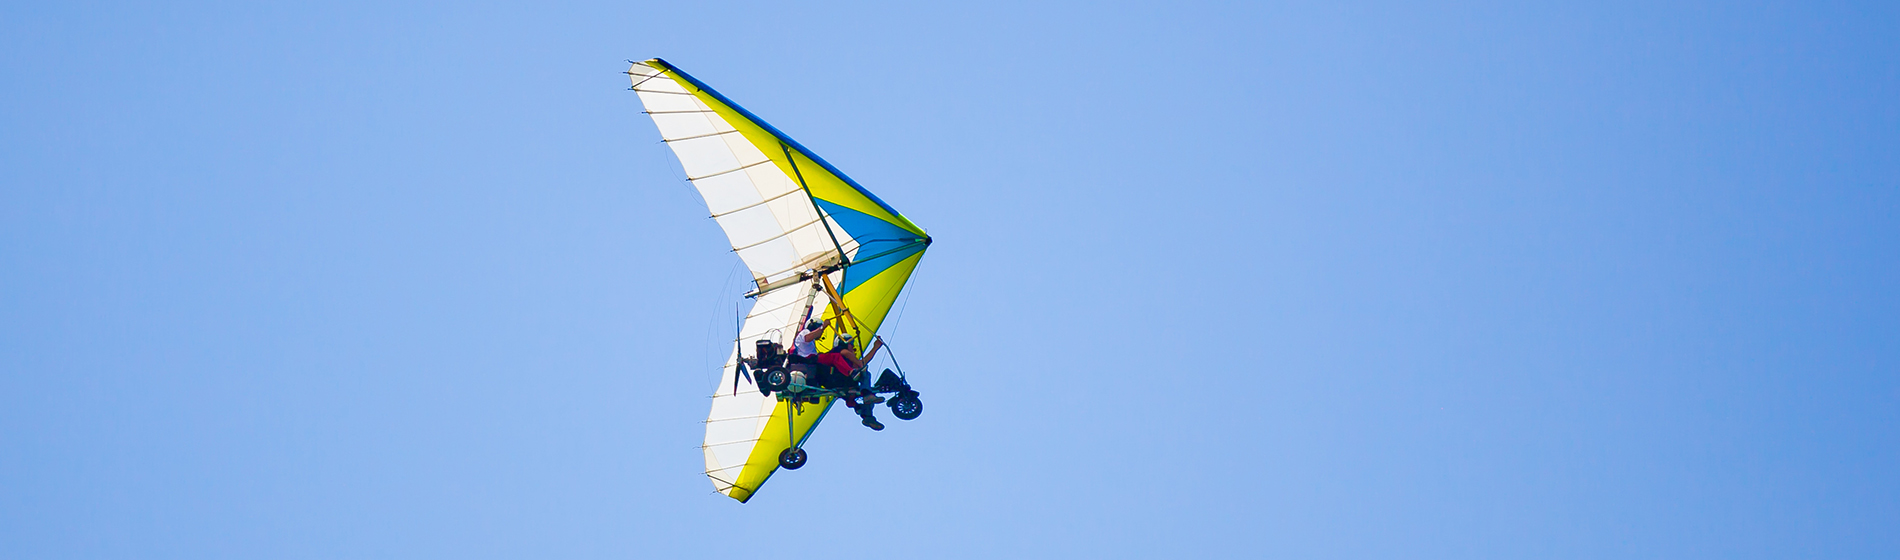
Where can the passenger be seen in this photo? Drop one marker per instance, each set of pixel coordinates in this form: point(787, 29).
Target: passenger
point(805, 346)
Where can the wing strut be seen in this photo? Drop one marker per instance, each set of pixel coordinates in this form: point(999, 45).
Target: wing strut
point(838, 300)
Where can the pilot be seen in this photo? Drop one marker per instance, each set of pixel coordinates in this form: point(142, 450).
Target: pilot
point(844, 358)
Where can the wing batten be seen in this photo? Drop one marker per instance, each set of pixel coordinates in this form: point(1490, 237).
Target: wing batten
point(782, 137)
point(739, 168)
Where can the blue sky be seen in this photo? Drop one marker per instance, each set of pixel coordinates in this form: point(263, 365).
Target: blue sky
point(1302, 280)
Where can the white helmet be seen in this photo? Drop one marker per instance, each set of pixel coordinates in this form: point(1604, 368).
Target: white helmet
point(845, 338)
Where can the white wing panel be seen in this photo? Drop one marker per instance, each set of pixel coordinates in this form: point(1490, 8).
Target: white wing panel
point(688, 124)
point(768, 219)
point(704, 155)
point(752, 226)
point(729, 192)
point(739, 413)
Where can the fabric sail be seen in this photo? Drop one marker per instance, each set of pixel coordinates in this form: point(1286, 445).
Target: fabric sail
point(786, 212)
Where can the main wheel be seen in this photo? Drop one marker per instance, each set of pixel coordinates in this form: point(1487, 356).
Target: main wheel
point(907, 407)
point(791, 459)
point(773, 381)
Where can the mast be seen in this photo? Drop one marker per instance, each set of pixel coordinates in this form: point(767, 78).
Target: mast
point(822, 218)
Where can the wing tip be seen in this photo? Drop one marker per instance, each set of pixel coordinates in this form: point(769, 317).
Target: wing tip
point(740, 493)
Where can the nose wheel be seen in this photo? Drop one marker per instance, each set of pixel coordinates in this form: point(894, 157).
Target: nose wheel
point(907, 406)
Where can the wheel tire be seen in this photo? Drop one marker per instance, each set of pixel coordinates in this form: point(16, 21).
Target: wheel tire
point(791, 459)
point(773, 381)
point(907, 407)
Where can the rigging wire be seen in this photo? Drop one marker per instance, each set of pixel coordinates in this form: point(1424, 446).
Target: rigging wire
point(660, 153)
point(914, 282)
point(713, 322)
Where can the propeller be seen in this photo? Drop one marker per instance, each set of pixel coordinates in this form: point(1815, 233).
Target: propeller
point(738, 344)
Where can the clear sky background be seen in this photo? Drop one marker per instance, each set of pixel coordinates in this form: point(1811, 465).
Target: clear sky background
point(1227, 280)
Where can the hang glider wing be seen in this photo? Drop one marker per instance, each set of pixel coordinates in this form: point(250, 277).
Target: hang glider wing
point(788, 214)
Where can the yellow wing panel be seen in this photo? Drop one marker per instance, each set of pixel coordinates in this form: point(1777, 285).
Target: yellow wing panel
point(764, 458)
